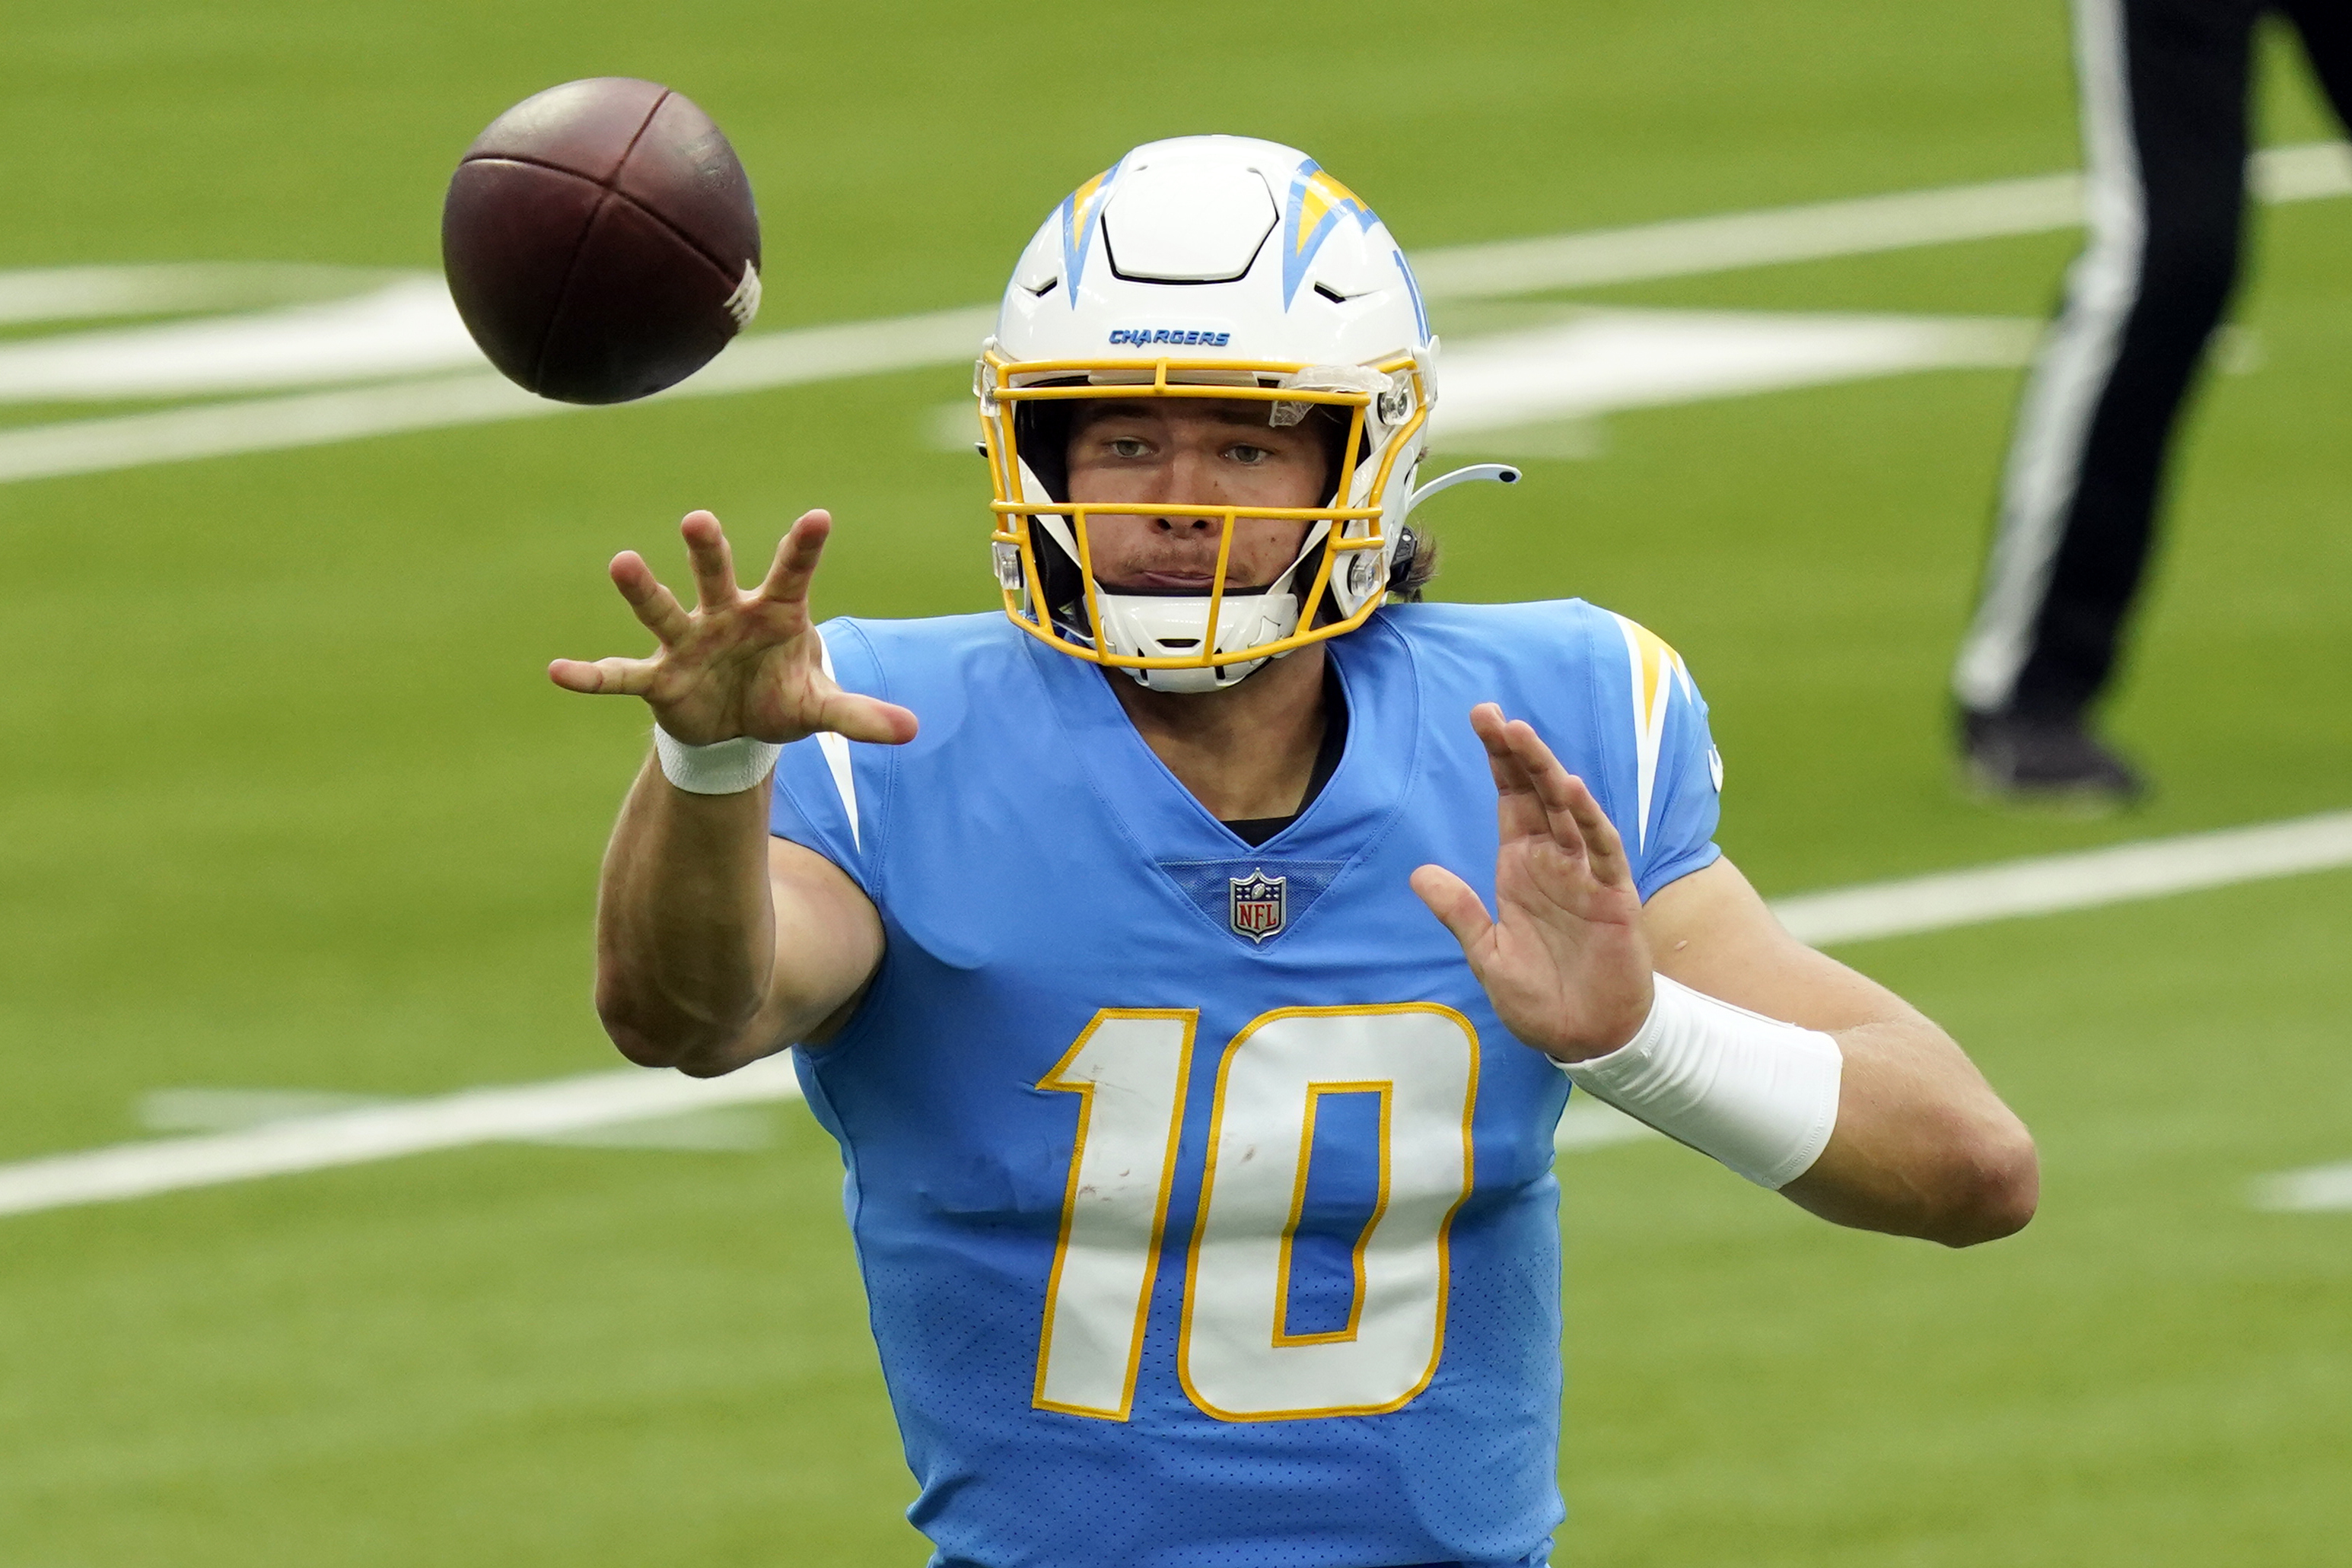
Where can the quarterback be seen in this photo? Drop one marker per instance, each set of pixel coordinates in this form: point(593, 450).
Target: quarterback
point(1192, 959)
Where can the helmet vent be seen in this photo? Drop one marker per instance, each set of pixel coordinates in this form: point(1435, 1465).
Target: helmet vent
point(1333, 294)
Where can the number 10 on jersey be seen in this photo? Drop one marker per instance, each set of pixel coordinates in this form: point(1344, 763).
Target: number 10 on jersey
point(1235, 1356)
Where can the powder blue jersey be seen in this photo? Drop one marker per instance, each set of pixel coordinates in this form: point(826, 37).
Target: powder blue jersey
point(1204, 1205)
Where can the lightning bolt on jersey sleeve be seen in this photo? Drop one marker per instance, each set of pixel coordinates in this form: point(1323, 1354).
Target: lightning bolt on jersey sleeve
point(817, 801)
point(1668, 818)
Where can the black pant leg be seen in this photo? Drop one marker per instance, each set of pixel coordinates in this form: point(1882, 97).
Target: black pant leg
point(2164, 88)
point(2327, 29)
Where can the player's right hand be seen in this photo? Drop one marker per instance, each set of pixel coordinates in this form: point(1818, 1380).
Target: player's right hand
point(740, 663)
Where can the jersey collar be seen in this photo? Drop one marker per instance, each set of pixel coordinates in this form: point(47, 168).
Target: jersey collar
point(1370, 788)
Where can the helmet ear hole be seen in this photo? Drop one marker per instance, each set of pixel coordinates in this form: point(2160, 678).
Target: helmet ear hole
point(1405, 573)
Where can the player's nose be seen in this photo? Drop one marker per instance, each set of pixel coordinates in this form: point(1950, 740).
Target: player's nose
point(1177, 523)
point(1189, 479)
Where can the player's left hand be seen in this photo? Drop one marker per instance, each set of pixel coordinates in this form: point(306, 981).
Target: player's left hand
point(1563, 959)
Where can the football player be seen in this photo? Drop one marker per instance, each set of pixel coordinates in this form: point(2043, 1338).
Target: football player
point(1199, 1178)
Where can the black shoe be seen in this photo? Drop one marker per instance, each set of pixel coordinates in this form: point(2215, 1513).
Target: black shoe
point(2045, 760)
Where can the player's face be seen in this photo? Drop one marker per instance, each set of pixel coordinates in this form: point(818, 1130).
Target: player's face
point(1204, 452)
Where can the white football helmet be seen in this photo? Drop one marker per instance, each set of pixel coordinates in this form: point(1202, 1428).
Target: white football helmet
point(1207, 266)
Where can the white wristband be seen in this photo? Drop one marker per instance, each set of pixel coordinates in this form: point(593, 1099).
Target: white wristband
point(722, 768)
point(1756, 1094)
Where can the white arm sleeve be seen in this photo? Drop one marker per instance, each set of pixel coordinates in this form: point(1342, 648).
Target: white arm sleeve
point(1756, 1094)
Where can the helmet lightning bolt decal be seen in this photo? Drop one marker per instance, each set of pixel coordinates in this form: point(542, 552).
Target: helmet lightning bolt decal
point(1657, 668)
point(1419, 311)
point(1079, 210)
point(1317, 203)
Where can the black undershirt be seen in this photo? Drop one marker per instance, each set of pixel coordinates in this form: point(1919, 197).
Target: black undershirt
point(1256, 830)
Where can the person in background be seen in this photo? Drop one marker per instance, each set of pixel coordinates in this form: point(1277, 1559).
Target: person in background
point(2164, 102)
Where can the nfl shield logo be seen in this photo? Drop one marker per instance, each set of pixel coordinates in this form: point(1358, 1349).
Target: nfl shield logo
point(1258, 904)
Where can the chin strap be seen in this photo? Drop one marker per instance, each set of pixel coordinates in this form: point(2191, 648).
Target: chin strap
point(1501, 473)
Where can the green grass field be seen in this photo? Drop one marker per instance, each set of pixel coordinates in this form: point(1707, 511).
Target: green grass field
point(288, 802)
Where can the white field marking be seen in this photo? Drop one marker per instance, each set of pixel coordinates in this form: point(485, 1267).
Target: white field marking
point(362, 1133)
point(718, 1128)
point(1688, 247)
point(94, 293)
point(406, 327)
point(2051, 883)
point(1609, 359)
point(1590, 1123)
point(2308, 171)
point(368, 1133)
point(309, 419)
point(1684, 247)
point(267, 425)
point(234, 1110)
point(2316, 1190)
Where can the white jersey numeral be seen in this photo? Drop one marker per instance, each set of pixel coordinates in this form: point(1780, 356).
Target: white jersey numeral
point(1127, 1070)
point(1236, 1355)
point(1236, 1361)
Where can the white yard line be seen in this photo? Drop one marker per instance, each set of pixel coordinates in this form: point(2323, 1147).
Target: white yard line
point(474, 397)
point(1681, 248)
point(473, 1116)
point(1601, 361)
point(261, 424)
point(95, 293)
point(381, 1132)
point(1821, 231)
point(406, 327)
point(1590, 1123)
point(2046, 885)
point(2321, 1189)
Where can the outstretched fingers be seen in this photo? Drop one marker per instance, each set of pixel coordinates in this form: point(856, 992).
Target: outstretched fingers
point(654, 606)
point(604, 677)
point(797, 554)
point(713, 561)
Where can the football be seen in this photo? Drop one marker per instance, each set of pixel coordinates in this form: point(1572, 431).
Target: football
point(600, 241)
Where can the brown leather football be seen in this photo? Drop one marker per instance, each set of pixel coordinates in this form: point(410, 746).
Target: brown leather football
point(601, 242)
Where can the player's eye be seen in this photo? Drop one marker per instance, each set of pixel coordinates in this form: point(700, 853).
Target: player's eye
point(1241, 452)
point(1130, 446)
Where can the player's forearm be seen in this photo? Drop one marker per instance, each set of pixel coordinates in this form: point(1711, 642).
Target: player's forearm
point(1922, 1146)
point(686, 927)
